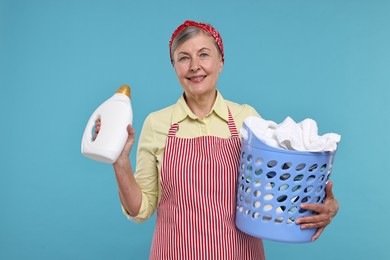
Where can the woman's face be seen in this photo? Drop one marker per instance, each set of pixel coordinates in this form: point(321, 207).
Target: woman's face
point(197, 64)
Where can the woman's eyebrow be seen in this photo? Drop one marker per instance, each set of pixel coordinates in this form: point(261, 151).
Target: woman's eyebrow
point(182, 53)
point(187, 53)
point(204, 49)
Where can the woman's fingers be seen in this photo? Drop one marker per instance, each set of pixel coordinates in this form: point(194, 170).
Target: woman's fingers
point(98, 124)
point(324, 213)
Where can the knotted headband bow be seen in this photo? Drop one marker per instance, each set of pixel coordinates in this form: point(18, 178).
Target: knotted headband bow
point(205, 27)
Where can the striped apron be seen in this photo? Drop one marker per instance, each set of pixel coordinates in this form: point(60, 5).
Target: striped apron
point(196, 212)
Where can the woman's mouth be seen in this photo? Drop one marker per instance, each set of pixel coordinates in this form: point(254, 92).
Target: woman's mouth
point(196, 78)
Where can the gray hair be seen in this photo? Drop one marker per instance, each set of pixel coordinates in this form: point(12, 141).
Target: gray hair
point(186, 34)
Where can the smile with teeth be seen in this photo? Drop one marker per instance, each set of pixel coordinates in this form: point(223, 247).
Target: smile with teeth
point(197, 78)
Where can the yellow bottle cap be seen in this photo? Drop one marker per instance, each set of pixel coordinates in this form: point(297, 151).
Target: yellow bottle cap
point(124, 89)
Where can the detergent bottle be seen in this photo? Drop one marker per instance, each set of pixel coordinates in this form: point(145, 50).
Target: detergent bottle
point(115, 114)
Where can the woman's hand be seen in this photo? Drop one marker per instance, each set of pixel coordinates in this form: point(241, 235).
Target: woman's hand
point(325, 213)
point(123, 158)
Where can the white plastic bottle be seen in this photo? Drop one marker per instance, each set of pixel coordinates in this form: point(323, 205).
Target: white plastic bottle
point(115, 115)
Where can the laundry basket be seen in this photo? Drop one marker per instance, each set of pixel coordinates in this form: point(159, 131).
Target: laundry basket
point(272, 183)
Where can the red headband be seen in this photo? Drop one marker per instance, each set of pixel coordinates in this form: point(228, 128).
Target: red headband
point(205, 27)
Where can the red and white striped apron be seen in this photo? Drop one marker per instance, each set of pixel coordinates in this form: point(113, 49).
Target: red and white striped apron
point(196, 212)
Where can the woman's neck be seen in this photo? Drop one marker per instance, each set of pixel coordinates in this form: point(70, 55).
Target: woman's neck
point(201, 105)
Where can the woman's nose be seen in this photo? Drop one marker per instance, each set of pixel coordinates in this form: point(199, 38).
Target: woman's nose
point(194, 66)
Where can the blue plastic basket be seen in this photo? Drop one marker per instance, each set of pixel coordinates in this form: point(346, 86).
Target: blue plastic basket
point(272, 183)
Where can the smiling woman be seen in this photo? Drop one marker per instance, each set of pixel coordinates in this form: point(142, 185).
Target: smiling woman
point(198, 63)
point(187, 159)
point(196, 51)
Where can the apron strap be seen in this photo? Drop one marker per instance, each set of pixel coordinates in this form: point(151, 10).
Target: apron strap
point(232, 125)
point(173, 130)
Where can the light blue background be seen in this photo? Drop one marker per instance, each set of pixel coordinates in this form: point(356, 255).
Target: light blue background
point(328, 60)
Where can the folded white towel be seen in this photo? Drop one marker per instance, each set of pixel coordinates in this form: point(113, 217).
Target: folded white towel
point(289, 135)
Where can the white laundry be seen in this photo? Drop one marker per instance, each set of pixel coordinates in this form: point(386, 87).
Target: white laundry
point(289, 135)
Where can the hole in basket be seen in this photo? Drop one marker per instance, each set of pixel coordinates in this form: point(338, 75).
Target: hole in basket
point(257, 193)
point(323, 167)
point(242, 166)
point(241, 198)
point(270, 175)
point(269, 196)
point(283, 187)
point(247, 200)
point(294, 199)
point(267, 207)
point(248, 190)
point(267, 218)
point(249, 158)
point(249, 169)
point(290, 220)
point(321, 179)
point(296, 188)
point(311, 178)
point(269, 185)
point(257, 204)
point(259, 171)
point(302, 211)
point(319, 189)
point(243, 155)
point(259, 161)
point(286, 166)
point(257, 183)
point(242, 187)
point(279, 210)
point(308, 189)
point(317, 199)
point(313, 167)
point(299, 177)
point(256, 215)
point(305, 199)
point(285, 176)
point(248, 179)
point(292, 210)
point(247, 212)
point(281, 198)
point(240, 208)
point(300, 167)
point(272, 163)
point(279, 220)
point(242, 176)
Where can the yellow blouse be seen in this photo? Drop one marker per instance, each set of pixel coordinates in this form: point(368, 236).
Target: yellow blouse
point(154, 135)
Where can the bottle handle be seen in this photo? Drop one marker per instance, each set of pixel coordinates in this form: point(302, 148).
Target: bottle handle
point(90, 129)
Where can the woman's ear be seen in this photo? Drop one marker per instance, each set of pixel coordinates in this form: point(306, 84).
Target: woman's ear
point(220, 65)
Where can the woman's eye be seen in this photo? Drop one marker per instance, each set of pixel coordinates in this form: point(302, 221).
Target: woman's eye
point(184, 58)
point(204, 54)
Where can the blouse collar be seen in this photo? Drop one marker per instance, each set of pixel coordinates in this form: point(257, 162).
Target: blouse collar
point(182, 110)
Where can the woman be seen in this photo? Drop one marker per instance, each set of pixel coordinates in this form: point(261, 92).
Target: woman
point(187, 162)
